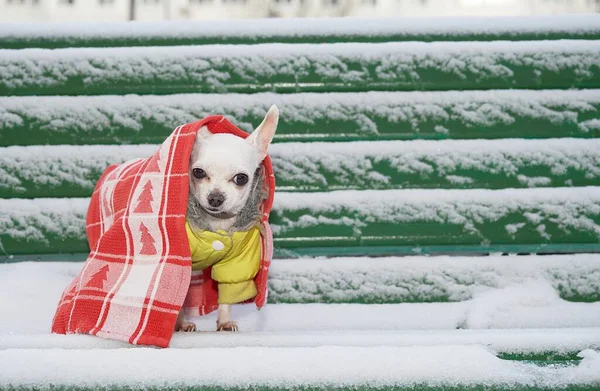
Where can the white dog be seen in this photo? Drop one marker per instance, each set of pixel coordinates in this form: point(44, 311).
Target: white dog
point(226, 190)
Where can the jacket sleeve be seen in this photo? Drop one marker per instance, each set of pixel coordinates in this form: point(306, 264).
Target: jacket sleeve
point(202, 255)
point(235, 274)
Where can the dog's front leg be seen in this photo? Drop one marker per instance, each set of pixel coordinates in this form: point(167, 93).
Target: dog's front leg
point(184, 325)
point(224, 320)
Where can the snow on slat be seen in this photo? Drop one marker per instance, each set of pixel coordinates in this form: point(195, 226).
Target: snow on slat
point(399, 344)
point(408, 217)
point(557, 215)
point(60, 171)
point(288, 368)
point(72, 171)
point(301, 67)
point(41, 221)
point(305, 116)
point(508, 163)
point(388, 280)
point(20, 35)
point(508, 341)
point(437, 278)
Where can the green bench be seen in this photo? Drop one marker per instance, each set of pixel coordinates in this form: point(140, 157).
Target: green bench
point(394, 139)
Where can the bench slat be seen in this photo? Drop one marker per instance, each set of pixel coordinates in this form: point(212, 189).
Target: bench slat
point(72, 171)
point(360, 219)
point(55, 35)
point(426, 367)
point(305, 117)
point(384, 280)
point(301, 68)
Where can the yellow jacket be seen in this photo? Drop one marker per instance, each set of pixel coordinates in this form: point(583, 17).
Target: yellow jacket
point(235, 260)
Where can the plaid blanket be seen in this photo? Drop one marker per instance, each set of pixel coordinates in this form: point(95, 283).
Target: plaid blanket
point(138, 273)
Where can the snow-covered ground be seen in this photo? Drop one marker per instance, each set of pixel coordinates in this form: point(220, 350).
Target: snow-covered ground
point(326, 344)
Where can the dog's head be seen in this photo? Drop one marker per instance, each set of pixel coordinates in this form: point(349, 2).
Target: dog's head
point(223, 167)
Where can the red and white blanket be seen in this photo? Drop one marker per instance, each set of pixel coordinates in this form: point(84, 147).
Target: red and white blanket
point(137, 275)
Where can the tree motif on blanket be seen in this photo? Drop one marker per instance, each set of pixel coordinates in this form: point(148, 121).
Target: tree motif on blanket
point(147, 241)
point(97, 280)
point(72, 291)
point(153, 164)
point(145, 199)
point(106, 207)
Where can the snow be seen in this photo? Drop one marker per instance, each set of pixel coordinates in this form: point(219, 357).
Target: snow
point(49, 167)
point(418, 279)
point(468, 209)
point(568, 209)
point(353, 164)
point(287, 367)
point(526, 300)
point(215, 67)
point(368, 113)
point(496, 304)
point(514, 307)
point(590, 125)
point(35, 220)
point(334, 165)
point(310, 27)
point(309, 344)
point(510, 341)
point(539, 181)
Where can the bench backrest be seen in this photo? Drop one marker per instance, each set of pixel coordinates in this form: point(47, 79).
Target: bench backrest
point(396, 137)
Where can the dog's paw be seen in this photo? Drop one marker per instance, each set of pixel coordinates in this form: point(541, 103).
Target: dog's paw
point(227, 326)
point(185, 327)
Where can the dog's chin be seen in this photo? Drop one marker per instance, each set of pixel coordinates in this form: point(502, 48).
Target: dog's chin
point(218, 214)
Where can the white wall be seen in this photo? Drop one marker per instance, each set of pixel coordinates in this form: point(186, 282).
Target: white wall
point(63, 11)
point(524, 7)
point(473, 7)
point(219, 9)
point(155, 10)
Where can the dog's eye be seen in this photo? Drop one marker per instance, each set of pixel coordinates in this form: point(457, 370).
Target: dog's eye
point(240, 179)
point(198, 173)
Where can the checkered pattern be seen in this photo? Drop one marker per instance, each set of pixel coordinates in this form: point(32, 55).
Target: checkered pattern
point(138, 274)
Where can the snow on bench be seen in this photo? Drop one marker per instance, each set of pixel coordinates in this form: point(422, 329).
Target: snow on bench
point(135, 119)
point(301, 67)
point(72, 171)
point(303, 30)
point(543, 219)
point(509, 108)
point(398, 344)
point(326, 367)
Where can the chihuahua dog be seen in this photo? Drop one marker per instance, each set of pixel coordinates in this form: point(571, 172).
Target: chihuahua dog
point(226, 191)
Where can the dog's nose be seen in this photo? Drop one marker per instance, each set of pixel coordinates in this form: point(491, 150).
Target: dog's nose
point(216, 199)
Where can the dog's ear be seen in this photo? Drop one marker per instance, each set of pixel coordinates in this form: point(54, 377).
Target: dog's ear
point(263, 135)
point(203, 133)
